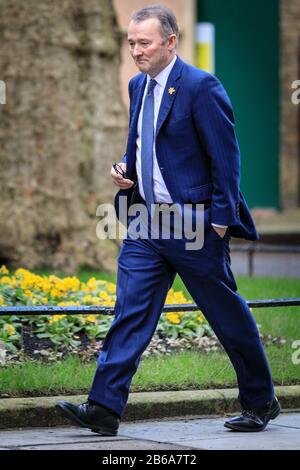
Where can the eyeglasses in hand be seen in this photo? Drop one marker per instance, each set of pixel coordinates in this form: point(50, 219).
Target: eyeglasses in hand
point(119, 170)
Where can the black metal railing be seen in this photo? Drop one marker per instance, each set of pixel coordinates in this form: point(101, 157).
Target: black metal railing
point(69, 310)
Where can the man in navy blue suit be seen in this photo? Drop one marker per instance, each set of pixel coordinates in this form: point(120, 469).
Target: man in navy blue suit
point(181, 149)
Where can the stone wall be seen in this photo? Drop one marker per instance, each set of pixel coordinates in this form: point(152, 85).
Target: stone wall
point(290, 113)
point(62, 127)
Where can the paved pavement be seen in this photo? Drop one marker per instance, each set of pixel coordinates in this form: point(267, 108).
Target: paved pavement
point(40, 411)
point(183, 433)
point(284, 265)
point(274, 227)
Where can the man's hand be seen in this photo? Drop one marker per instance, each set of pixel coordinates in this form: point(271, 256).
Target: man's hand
point(220, 231)
point(118, 179)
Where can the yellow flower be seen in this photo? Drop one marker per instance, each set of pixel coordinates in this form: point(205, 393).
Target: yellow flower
point(200, 318)
point(10, 329)
point(56, 293)
point(46, 286)
point(28, 293)
point(21, 272)
point(71, 283)
point(87, 299)
point(91, 318)
point(70, 303)
point(173, 318)
point(56, 318)
point(84, 287)
point(111, 288)
point(104, 295)
point(2, 300)
point(107, 303)
point(4, 270)
point(5, 280)
point(92, 283)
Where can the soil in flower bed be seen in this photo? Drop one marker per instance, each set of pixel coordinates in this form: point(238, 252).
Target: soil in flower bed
point(43, 348)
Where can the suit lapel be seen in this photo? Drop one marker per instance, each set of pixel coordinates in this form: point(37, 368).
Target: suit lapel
point(168, 99)
point(131, 144)
point(137, 106)
point(170, 93)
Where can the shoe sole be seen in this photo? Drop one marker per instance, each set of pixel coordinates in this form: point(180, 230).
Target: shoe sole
point(66, 413)
point(274, 415)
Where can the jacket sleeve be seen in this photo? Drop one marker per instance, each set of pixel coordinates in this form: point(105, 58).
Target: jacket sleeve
point(214, 120)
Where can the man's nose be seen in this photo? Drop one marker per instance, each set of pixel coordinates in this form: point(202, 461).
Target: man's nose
point(136, 51)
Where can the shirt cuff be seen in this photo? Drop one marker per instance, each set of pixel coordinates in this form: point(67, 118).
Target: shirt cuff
point(219, 226)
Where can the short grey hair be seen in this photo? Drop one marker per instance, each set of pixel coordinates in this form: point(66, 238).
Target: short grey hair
point(165, 16)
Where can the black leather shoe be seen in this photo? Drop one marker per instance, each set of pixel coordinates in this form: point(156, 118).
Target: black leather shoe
point(92, 416)
point(256, 419)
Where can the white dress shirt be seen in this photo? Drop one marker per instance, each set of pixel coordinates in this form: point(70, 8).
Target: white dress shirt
point(160, 192)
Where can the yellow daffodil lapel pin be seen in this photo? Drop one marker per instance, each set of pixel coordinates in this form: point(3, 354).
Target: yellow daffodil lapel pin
point(171, 90)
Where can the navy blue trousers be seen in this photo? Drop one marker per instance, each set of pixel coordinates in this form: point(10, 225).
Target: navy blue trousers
point(146, 271)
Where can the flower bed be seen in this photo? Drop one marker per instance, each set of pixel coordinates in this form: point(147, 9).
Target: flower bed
point(45, 333)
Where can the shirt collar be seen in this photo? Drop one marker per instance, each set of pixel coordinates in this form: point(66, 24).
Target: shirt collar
point(163, 76)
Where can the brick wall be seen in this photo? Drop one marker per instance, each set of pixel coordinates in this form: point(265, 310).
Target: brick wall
point(186, 17)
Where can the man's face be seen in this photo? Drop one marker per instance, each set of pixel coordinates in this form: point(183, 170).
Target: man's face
point(149, 50)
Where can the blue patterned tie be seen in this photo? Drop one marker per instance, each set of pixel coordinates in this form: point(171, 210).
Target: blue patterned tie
point(147, 145)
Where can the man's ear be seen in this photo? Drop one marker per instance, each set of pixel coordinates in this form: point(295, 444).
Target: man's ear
point(172, 42)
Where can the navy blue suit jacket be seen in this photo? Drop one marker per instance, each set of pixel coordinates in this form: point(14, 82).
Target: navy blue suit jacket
point(196, 146)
